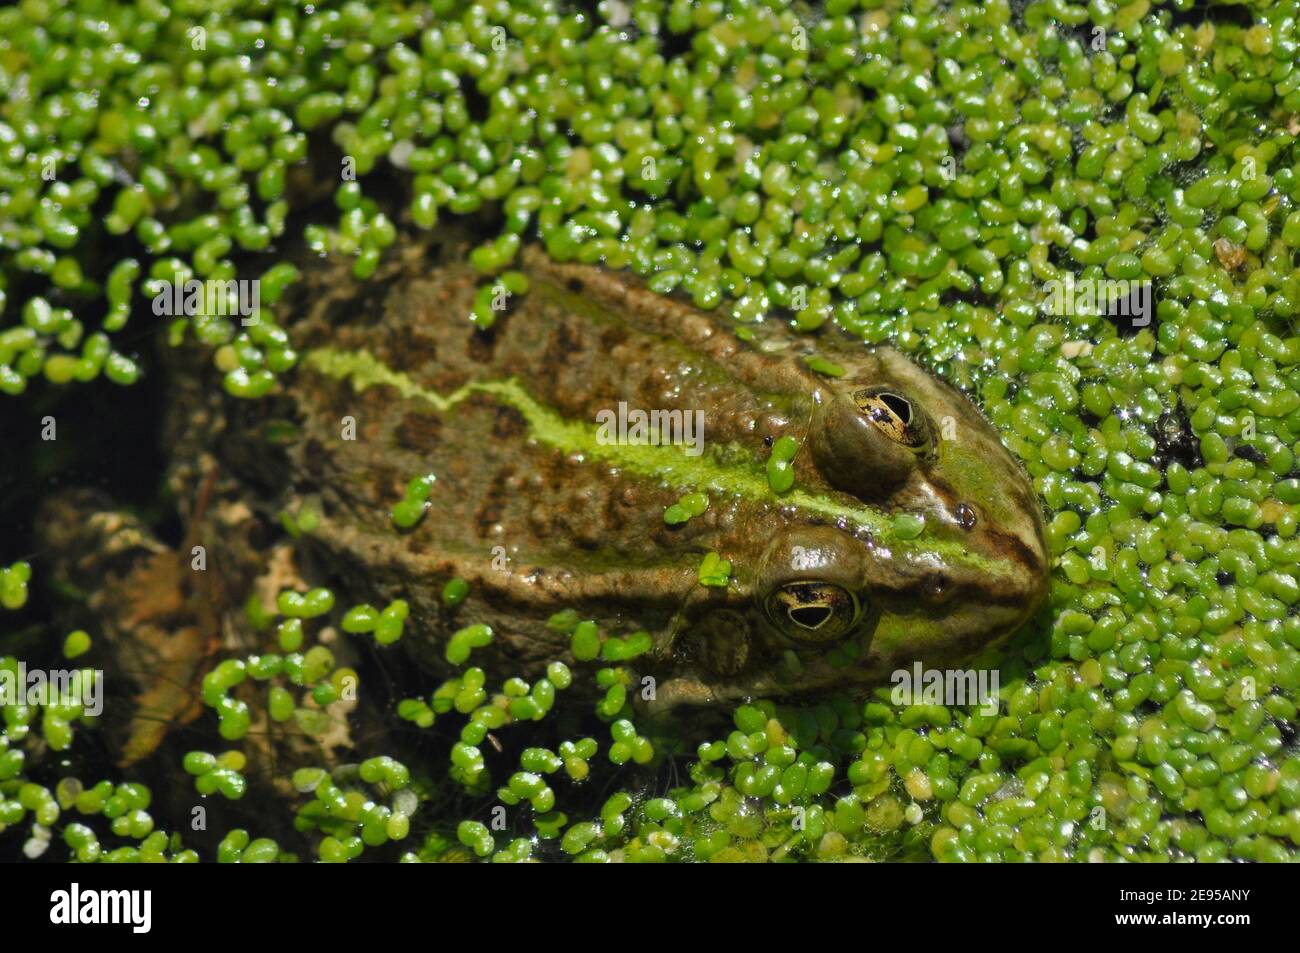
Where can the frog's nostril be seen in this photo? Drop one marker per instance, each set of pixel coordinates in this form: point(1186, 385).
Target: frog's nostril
point(810, 617)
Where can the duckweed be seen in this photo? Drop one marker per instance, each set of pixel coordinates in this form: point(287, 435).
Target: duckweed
point(692, 504)
point(714, 570)
point(916, 175)
point(412, 507)
point(454, 592)
point(780, 469)
point(13, 585)
point(465, 641)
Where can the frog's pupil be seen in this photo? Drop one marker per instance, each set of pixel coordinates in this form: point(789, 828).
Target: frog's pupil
point(810, 617)
point(899, 406)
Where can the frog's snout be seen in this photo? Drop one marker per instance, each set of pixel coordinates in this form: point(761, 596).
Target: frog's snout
point(1020, 546)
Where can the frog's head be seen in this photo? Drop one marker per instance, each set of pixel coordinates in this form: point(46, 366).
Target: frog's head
point(942, 552)
point(896, 437)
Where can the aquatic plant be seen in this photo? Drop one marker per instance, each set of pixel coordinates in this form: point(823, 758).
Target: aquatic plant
point(915, 172)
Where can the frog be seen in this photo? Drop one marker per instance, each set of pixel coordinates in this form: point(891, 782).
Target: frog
point(608, 453)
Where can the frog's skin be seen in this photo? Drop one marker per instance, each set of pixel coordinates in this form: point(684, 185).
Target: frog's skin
point(507, 422)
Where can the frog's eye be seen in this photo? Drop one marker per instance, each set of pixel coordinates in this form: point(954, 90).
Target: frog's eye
point(813, 611)
point(894, 415)
point(869, 440)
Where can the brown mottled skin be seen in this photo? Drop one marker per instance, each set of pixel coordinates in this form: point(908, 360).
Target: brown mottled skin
point(579, 534)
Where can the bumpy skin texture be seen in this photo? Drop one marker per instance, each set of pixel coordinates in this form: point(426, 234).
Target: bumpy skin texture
point(579, 524)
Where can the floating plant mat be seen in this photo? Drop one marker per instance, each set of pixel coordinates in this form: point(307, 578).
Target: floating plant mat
point(931, 177)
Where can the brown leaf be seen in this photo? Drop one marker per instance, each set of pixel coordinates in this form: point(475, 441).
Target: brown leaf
point(171, 697)
point(153, 591)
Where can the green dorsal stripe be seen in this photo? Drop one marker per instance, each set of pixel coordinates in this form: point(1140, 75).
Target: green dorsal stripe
point(666, 462)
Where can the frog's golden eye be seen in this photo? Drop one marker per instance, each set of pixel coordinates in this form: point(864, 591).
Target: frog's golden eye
point(894, 415)
point(813, 611)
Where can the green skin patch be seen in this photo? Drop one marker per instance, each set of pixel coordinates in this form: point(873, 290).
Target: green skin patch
point(662, 462)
